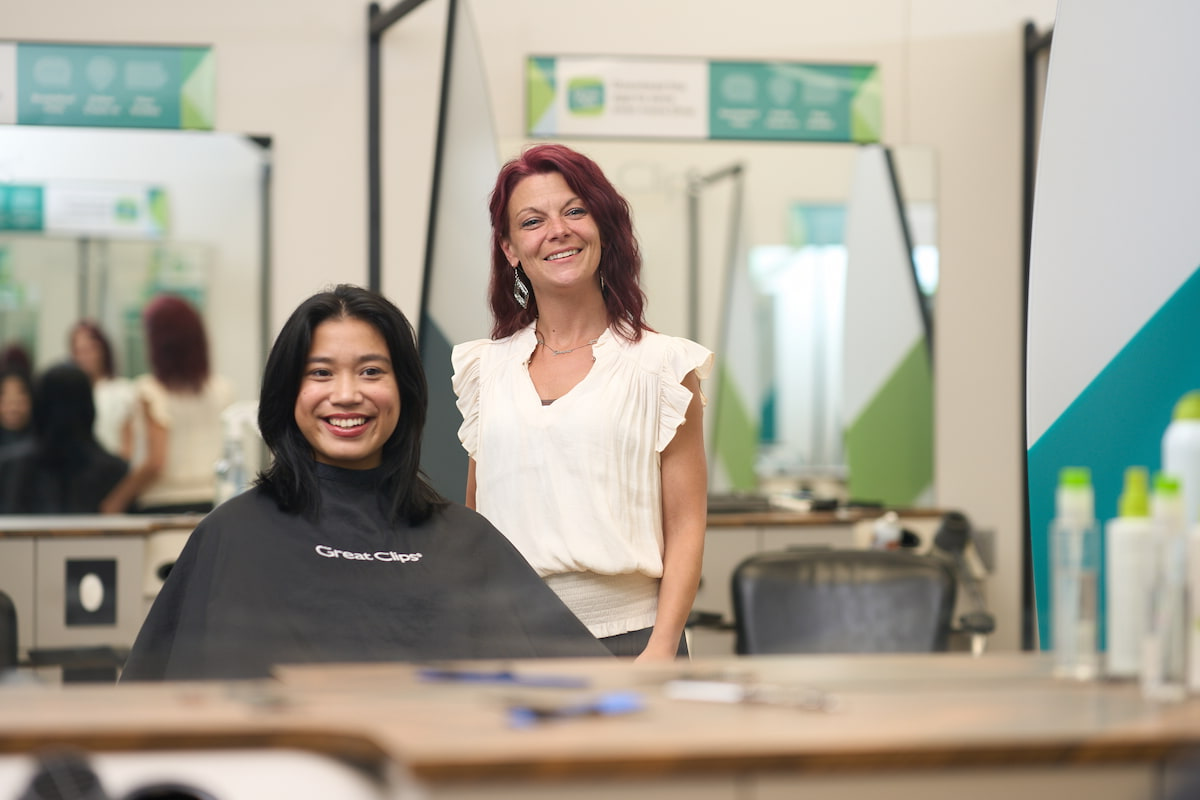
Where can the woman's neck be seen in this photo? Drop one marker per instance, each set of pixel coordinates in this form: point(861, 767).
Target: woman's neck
point(564, 324)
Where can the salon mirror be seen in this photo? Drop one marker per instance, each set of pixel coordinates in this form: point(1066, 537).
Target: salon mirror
point(95, 222)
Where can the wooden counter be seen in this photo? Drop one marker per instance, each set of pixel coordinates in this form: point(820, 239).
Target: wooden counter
point(920, 724)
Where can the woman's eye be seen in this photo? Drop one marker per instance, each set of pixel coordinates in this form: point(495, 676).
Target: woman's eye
point(577, 212)
point(530, 223)
point(319, 372)
point(372, 372)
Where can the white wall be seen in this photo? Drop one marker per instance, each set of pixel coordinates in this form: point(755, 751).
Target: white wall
point(951, 73)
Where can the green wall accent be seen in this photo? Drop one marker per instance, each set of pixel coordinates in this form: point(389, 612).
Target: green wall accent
point(866, 109)
point(889, 447)
point(736, 435)
point(198, 100)
point(540, 88)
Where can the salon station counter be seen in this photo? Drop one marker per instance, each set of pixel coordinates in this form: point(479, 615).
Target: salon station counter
point(80, 581)
point(45, 561)
point(921, 726)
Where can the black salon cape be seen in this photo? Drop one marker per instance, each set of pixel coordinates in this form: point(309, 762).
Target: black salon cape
point(256, 586)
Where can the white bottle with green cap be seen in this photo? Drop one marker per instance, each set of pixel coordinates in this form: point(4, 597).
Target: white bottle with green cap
point(1181, 453)
point(1164, 655)
point(1075, 560)
point(1129, 572)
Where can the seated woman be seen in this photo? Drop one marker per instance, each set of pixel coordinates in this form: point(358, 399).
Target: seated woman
point(342, 551)
point(61, 469)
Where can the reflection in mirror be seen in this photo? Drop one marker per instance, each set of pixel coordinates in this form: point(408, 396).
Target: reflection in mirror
point(96, 222)
point(770, 223)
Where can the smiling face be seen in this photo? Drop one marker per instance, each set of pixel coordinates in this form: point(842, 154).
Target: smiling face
point(349, 403)
point(551, 234)
point(88, 354)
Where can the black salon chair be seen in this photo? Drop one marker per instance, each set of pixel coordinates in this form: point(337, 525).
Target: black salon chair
point(8, 633)
point(843, 601)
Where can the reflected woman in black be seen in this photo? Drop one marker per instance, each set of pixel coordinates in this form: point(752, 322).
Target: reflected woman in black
point(343, 551)
point(61, 469)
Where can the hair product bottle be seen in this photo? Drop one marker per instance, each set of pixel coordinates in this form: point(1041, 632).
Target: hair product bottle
point(1181, 453)
point(1164, 655)
point(1075, 560)
point(1129, 569)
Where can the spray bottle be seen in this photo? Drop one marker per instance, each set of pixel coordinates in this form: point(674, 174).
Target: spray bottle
point(231, 474)
point(1075, 559)
point(1164, 654)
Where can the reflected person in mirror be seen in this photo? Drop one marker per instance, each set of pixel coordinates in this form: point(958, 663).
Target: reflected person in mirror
point(113, 394)
point(16, 395)
point(583, 425)
point(179, 403)
point(343, 551)
point(61, 469)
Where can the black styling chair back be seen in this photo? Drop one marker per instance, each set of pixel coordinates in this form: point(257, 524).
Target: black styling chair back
point(8, 633)
point(842, 601)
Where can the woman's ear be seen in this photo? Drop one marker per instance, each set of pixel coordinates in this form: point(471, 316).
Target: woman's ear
point(513, 261)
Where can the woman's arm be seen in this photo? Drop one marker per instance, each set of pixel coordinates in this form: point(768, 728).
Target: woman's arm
point(685, 517)
point(470, 501)
point(144, 474)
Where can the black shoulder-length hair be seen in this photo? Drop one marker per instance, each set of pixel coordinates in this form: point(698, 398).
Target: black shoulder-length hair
point(291, 478)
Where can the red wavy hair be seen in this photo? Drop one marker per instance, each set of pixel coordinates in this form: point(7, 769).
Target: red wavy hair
point(176, 343)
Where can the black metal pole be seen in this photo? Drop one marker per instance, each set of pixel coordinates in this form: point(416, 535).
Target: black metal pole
point(922, 306)
point(374, 160)
point(378, 22)
point(438, 157)
point(1035, 43)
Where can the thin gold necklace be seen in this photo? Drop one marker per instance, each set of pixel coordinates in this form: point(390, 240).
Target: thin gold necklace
point(542, 341)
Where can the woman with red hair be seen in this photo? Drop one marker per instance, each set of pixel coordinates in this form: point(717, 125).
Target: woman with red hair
point(583, 424)
point(181, 404)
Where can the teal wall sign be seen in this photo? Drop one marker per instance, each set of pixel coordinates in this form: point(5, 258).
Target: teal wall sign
point(107, 86)
point(689, 98)
point(793, 102)
point(21, 207)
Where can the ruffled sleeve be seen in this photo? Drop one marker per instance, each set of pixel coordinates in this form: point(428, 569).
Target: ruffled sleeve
point(465, 360)
point(682, 356)
point(154, 395)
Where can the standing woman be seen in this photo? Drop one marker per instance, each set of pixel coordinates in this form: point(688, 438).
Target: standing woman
point(584, 425)
point(180, 403)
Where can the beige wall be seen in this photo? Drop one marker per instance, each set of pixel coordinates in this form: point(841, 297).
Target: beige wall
point(951, 73)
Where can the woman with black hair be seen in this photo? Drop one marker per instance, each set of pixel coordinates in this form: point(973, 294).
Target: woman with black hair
point(342, 551)
point(61, 469)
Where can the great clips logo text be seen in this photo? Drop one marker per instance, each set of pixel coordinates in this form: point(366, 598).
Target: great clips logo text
point(325, 551)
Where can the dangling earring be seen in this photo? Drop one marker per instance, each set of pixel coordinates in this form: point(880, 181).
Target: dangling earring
point(520, 290)
point(601, 283)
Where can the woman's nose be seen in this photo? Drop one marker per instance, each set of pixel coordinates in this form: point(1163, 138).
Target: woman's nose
point(345, 390)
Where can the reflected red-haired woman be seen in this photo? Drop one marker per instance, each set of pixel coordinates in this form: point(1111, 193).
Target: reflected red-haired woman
point(180, 403)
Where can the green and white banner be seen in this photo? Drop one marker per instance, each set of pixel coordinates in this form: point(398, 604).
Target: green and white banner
point(110, 209)
point(107, 86)
point(700, 99)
